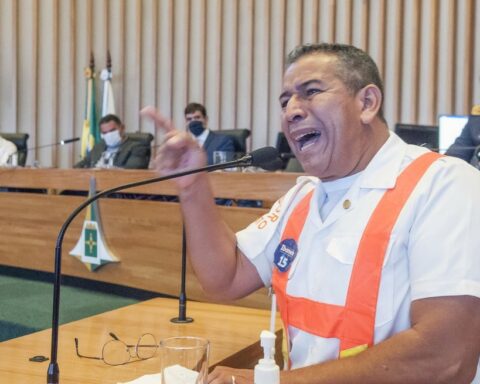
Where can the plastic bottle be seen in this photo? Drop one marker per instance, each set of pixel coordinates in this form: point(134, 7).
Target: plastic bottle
point(267, 371)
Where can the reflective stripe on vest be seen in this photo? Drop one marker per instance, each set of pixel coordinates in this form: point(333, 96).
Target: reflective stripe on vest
point(354, 323)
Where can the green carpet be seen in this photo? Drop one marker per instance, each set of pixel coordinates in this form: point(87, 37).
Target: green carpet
point(26, 300)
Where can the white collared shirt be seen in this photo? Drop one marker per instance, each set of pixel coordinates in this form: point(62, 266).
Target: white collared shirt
point(424, 257)
point(202, 137)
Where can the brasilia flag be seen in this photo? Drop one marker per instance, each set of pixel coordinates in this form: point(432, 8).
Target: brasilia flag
point(90, 132)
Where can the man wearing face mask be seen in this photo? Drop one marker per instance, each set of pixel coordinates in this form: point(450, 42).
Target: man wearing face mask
point(196, 119)
point(115, 149)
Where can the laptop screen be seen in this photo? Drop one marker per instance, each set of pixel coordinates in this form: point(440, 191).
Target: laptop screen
point(449, 128)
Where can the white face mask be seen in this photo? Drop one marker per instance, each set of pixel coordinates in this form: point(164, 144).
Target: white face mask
point(112, 138)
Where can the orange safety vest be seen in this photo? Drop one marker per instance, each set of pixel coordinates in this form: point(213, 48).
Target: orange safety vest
point(353, 323)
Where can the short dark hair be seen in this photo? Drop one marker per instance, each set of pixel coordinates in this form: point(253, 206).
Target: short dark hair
point(193, 107)
point(356, 68)
point(108, 118)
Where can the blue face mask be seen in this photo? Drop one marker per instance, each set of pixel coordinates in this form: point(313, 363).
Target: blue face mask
point(196, 127)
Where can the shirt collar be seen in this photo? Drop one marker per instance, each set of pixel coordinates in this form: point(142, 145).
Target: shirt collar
point(383, 169)
point(202, 137)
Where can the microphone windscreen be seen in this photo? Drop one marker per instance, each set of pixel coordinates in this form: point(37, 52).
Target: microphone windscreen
point(263, 157)
point(273, 165)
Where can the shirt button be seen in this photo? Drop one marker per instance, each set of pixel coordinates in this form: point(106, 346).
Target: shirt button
point(347, 204)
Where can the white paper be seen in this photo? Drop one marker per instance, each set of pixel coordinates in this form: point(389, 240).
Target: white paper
point(175, 374)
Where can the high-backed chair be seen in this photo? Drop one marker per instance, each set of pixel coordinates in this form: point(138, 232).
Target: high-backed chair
point(144, 138)
point(283, 148)
point(424, 135)
point(239, 137)
point(20, 140)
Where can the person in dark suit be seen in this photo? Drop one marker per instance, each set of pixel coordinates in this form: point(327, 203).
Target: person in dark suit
point(197, 121)
point(467, 145)
point(116, 150)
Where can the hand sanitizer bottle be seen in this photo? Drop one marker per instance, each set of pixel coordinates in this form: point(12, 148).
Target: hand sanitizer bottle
point(267, 371)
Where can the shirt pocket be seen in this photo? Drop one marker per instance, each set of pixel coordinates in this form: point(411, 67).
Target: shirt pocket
point(339, 261)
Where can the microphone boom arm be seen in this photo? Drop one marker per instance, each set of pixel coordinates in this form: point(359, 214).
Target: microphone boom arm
point(53, 369)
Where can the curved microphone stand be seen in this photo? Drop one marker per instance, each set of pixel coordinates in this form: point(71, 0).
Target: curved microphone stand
point(264, 157)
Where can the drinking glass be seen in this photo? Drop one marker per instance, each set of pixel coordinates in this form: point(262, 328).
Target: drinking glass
point(184, 360)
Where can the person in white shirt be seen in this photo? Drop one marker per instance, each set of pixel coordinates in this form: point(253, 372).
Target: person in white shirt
point(7, 151)
point(373, 256)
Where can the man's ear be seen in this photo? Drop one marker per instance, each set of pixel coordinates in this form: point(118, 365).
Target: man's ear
point(370, 98)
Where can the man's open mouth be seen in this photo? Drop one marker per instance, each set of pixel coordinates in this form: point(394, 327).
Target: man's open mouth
point(307, 139)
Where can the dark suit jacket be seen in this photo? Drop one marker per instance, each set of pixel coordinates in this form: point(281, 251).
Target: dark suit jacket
point(465, 144)
point(131, 155)
point(217, 142)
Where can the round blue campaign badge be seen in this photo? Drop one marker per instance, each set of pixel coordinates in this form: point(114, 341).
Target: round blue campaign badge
point(285, 254)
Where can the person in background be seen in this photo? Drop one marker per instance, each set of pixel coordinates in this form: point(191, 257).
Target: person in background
point(467, 145)
point(116, 149)
point(374, 283)
point(7, 150)
point(197, 121)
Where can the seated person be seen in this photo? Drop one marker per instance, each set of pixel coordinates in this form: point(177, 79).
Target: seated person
point(466, 144)
point(7, 150)
point(116, 149)
point(197, 120)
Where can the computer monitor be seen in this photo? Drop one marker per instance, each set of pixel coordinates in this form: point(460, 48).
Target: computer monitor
point(423, 135)
point(449, 128)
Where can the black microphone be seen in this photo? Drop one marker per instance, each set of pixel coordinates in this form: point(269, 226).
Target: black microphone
point(26, 150)
point(61, 142)
point(262, 157)
point(68, 141)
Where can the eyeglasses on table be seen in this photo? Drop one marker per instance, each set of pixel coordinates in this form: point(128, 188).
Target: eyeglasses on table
point(117, 352)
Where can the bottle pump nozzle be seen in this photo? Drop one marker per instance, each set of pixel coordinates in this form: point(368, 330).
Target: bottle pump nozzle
point(267, 371)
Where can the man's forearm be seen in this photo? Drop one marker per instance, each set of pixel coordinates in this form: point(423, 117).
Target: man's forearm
point(442, 347)
point(211, 244)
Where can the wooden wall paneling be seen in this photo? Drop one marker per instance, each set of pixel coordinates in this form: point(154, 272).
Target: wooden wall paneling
point(461, 54)
point(148, 63)
point(261, 66)
point(393, 63)
point(327, 21)
point(277, 56)
point(196, 55)
point(360, 24)
point(8, 65)
point(309, 21)
point(47, 81)
point(293, 24)
point(244, 66)
point(27, 25)
point(476, 64)
point(213, 69)
point(465, 56)
point(83, 50)
point(343, 20)
point(229, 60)
point(376, 35)
point(410, 63)
point(164, 50)
point(133, 74)
point(181, 59)
point(427, 70)
point(446, 56)
point(115, 44)
point(66, 74)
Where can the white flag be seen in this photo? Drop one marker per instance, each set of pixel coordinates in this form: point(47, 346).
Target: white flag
point(108, 103)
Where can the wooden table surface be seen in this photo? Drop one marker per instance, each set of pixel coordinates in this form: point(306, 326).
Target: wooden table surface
point(233, 333)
